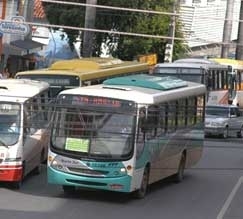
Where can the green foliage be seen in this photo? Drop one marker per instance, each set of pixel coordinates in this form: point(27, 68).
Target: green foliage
point(122, 46)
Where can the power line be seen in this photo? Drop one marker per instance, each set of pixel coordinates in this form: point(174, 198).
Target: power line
point(97, 30)
point(120, 33)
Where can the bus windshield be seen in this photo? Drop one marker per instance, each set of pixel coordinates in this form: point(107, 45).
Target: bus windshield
point(187, 74)
point(10, 123)
point(57, 82)
point(93, 133)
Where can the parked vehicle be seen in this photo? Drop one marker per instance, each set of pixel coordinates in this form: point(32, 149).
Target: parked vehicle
point(224, 120)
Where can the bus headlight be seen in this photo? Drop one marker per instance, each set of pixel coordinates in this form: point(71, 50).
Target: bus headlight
point(57, 165)
point(123, 170)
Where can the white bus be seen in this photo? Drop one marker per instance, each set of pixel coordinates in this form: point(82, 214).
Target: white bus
point(126, 133)
point(218, 79)
point(23, 128)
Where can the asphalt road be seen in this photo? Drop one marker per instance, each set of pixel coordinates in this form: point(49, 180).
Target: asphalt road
point(211, 190)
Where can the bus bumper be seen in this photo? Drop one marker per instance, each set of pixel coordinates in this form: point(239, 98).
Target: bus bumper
point(11, 173)
point(117, 184)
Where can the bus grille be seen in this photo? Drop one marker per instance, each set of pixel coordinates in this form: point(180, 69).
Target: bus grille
point(88, 172)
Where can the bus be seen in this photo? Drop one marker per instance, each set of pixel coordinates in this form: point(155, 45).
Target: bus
point(23, 128)
point(67, 74)
point(219, 79)
point(126, 133)
point(237, 70)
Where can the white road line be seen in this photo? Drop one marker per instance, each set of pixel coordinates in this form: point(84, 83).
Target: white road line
point(230, 198)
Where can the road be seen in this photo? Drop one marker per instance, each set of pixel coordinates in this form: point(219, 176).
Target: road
point(211, 190)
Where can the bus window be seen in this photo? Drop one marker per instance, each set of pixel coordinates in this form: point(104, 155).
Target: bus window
point(10, 123)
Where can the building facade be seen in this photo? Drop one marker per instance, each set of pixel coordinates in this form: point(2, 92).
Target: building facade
point(203, 25)
point(17, 47)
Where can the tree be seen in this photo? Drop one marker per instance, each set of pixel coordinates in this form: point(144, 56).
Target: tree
point(121, 46)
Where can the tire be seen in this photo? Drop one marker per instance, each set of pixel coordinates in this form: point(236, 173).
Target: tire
point(178, 177)
point(240, 133)
point(141, 192)
point(69, 190)
point(225, 133)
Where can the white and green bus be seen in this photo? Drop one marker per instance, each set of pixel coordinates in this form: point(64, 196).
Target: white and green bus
point(126, 133)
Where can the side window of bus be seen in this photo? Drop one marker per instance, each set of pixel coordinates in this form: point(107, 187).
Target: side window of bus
point(172, 123)
point(162, 121)
point(152, 121)
point(194, 110)
point(37, 113)
point(141, 132)
point(181, 113)
point(46, 106)
point(191, 111)
point(200, 110)
point(34, 115)
point(142, 124)
point(26, 124)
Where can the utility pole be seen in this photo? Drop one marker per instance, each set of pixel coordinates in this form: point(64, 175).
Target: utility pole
point(4, 5)
point(227, 29)
point(169, 48)
point(88, 37)
point(239, 46)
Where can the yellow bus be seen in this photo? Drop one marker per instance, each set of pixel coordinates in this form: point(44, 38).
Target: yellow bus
point(237, 70)
point(66, 74)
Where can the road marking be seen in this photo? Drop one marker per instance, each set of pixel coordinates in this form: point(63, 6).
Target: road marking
point(230, 198)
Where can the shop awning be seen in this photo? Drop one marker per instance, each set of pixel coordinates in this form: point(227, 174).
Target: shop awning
point(22, 47)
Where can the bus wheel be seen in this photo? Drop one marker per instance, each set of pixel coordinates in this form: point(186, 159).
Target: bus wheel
point(68, 190)
point(178, 177)
point(240, 133)
point(141, 192)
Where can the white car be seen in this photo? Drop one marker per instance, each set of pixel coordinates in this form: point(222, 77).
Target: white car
point(224, 120)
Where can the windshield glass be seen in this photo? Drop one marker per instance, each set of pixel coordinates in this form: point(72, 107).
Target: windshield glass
point(217, 111)
point(9, 123)
point(190, 74)
point(93, 134)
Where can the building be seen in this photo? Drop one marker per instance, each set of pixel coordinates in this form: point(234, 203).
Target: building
point(17, 47)
point(203, 25)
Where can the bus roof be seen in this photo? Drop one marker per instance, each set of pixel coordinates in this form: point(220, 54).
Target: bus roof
point(93, 63)
point(88, 68)
point(138, 94)
point(195, 60)
point(236, 64)
point(19, 90)
point(191, 65)
point(147, 81)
